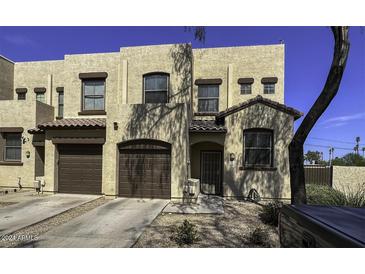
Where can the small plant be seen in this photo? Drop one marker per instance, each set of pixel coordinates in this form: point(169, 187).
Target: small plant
point(186, 234)
point(325, 195)
point(270, 213)
point(259, 236)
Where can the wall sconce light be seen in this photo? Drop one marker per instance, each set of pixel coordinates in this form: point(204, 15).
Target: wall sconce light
point(232, 157)
point(115, 125)
point(25, 139)
point(27, 154)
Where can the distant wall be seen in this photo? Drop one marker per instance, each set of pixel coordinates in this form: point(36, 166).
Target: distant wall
point(6, 79)
point(348, 177)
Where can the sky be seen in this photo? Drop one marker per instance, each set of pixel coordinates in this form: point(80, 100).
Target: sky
point(308, 56)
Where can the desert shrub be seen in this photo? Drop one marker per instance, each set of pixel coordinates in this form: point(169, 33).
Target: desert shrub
point(325, 195)
point(186, 234)
point(259, 236)
point(270, 213)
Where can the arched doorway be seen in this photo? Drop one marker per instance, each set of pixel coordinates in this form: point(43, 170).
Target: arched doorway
point(207, 165)
point(145, 169)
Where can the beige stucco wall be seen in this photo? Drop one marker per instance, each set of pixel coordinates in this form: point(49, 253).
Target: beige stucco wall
point(245, 62)
point(348, 178)
point(22, 114)
point(269, 184)
point(6, 79)
point(84, 63)
point(165, 122)
point(175, 59)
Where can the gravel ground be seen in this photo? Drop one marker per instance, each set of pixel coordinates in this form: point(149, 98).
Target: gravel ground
point(4, 204)
point(231, 229)
point(31, 233)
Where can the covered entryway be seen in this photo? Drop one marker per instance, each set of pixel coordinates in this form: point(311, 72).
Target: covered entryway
point(207, 165)
point(145, 169)
point(80, 168)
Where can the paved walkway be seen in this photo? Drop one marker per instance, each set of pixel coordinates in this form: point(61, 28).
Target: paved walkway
point(206, 204)
point(32, 209)
point(117, 223)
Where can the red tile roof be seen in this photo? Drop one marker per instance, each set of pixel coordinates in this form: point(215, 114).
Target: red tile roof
point(259, 99)
point(70, 123)
point(206, 126)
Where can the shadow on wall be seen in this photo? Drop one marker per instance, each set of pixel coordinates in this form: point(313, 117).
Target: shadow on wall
point(168, 121)
point(269, 183)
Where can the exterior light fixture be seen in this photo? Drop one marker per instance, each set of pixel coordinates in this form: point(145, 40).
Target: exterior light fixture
point(27, 153)
point(115, 125)
point(232, 157)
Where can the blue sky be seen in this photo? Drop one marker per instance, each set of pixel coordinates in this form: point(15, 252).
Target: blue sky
point(308, 57)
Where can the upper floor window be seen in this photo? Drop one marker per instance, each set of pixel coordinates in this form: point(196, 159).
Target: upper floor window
point(269, 88)
point(246, 85)
point(246, 88)
point(40, 97)
point(258, 148)
point(13, 147)
point(60, 104)
point(21, 93)
point(269, 84)
point(208, 98)
point(93, 94)
point(156, 88)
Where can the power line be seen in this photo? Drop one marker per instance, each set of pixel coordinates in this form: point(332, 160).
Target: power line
point(328, 147)
point(335, 141)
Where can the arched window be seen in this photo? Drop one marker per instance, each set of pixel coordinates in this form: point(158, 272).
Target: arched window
point(156, 87)
point(258, 147)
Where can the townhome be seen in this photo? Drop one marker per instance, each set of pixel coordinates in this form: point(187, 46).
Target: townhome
point(143, 121)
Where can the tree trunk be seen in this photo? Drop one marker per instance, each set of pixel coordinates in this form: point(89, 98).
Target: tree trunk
point(341, 50)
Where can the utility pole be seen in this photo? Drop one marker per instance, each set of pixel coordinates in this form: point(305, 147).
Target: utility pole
point(331, 152)
point(356, 148)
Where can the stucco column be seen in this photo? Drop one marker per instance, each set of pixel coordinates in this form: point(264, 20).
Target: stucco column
point(49, 89)
point(124, 81)
point(229, 85)
point(50, 163)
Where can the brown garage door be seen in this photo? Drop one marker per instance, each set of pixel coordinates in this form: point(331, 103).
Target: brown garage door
point(144, 169)
point(80, 168)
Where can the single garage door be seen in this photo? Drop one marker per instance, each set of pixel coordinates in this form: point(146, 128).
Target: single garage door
point(80, 168)
point(144, 169)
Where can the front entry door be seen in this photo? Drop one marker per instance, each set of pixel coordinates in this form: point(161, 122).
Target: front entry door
point(211, 172)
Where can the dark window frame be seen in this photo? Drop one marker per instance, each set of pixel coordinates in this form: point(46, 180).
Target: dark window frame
point(84, 81)
point(208, 98)
point(59, 114)
point(22, 96)
point(259, 131)
point(43, 96)
point(161, 74)
point(6, 146)
point(245, 92)
point(269, 88)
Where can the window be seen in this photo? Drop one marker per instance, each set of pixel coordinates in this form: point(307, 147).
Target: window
point(208, 98)
point(269, 88)
point(22, 96)
point(246, 88)
point(258, 148)
point(156, 88)
point(40, 97)
point(13, 147)
point(93, 94)
point(60, 104)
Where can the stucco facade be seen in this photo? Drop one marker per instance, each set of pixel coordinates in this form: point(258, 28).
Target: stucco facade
point(128, 117)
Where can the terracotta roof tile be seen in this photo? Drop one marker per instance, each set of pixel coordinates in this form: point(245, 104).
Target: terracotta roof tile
point(70, 123)
point(206, 126)
point(259, 99)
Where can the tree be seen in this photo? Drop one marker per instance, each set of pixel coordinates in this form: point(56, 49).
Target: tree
point(329, 91)
point(313, 157)
point(363, 152)
point(350, 159)
point(357, 146)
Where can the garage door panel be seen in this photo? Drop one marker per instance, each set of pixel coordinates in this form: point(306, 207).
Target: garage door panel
point(145, 173)
point(80, 168)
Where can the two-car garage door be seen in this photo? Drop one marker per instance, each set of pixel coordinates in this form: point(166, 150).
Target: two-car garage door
point(80, 168)
point(144, 169)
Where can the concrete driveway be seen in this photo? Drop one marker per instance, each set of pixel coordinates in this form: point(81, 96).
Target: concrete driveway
point(31, 209)
point(117, 223)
